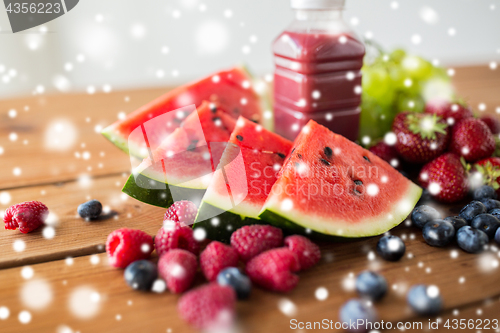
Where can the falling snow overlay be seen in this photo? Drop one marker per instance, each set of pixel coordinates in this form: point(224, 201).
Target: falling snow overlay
point(62, 83)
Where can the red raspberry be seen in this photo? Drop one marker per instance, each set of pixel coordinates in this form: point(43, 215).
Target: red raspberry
point(125, 246)
point(209, 307)
point(251, 240)
point(273, 270)
point(215, 258)
point(27, 216)
point(307, 252)
point(181, 211)
point(174, 235)
point(178, 268)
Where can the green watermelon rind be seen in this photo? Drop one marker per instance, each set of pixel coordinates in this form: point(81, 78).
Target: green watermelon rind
point(297, 222)
point(228, 222)
point(139, 187)
point(118, 140)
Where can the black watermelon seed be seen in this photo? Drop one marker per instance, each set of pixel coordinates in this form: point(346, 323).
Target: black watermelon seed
point(192, 145)
point(328, 152)
point(299, 155)
point(213, 108)
point(325, 162)
point(366, 158)
point(281, 155)
point(254, 121)
point(239, 137)
point(358, 182)
point(215, 118)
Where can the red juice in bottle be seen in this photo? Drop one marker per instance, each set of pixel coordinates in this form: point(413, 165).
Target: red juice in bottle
point(318, 71)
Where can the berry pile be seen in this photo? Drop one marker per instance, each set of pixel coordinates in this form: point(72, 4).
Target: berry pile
point(260, 251)
point(477, 223)
point(372, 287)
point(449, 145)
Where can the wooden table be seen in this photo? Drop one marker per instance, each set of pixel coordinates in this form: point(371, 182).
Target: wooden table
point(84, 294)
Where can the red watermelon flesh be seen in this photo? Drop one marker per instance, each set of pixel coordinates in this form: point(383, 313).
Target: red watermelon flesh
point(191, 153)
point(333, 186)
point(230, 89)
point(247, 170)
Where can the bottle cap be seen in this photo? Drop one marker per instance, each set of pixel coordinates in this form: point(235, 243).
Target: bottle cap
point(317, 4)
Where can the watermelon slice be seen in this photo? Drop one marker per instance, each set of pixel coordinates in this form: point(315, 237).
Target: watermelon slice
point(244, 177)
point(332, 186)
point(182, 166)
point(232, 90)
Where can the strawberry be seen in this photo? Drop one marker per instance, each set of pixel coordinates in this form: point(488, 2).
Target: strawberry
point(387, 153)
point(489, 168)
point(420, 137)
point(451, 112)
point(445, 178)
point(472, 139)
point(492, 122)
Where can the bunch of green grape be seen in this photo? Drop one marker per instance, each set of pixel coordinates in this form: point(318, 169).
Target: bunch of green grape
point(396, 82)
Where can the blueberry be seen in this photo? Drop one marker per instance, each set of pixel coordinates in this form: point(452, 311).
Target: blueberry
point(471, 240)
point(391, 248)
point(425, 300)
point(471, 210)
point(438, 233)
point(484, 192)
point(141, 274)
point(423, 214)
point(90, 210)
point(354, 310)
point(487, 223)
point(495, 212)
point(371, 285)
point(497, 236)
point(233, 277)
point(490, 204)
point(456, 221)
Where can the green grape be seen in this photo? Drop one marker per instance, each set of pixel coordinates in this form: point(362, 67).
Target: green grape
point(397, 55)
point(408, 102)
point(377, 83)
point(376, 119)
point(397, 82)
point(416, 67)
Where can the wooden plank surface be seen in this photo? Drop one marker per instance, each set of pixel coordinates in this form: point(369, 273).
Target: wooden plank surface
point(46, 119)
point(262, 312)
point(74, 236)
point(55, 177)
